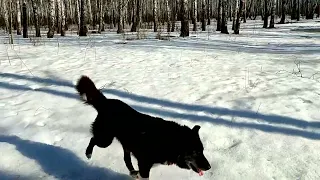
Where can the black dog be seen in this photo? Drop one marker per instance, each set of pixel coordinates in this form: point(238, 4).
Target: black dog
point(150, 139)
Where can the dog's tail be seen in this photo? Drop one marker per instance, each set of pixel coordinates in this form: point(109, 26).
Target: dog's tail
point(87, 90)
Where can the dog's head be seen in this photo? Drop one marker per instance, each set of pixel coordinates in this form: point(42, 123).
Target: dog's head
point(192, 156)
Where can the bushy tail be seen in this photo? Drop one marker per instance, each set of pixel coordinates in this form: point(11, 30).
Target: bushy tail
point(87, 90)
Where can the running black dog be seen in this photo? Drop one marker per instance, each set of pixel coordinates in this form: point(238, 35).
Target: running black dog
point(150, 139)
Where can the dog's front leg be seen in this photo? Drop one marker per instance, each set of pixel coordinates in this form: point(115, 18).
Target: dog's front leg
point(100, 142)
point(90, 148)
point(128, 162)
point(144, 169)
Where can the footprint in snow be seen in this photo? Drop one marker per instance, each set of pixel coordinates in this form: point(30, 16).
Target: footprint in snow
point(41, 124)
point(57, 139)
point(35, 87)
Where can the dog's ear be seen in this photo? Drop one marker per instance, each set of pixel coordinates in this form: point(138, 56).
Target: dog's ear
point(196, 128)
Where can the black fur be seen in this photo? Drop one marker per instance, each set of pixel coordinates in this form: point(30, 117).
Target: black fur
point(150, 139)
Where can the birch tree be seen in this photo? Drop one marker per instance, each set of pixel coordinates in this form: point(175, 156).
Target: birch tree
point(155, 15)
point(203, 16)
point(266, 14)
point(77, 3)
point(24, 20)
point(51, 18)
point(168, 15)
point(238, 14)
point(219, 15)
point(283, 12)
point(101, 15)
point(63, 18)
point(273, 13)
point(184, 21)
point(89, 12)
point(18, 17)
point(224, 22)
point(36, 17)
point(121, 16)
point(10, 22)
point(83, 27)
point(6, 15)
point(208, 11)
point(58, 15)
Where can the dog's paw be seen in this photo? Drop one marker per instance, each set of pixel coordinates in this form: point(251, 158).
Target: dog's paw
point(134, 174)
point(89, 155)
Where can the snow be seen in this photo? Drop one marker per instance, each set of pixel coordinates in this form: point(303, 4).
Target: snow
point(259, 118)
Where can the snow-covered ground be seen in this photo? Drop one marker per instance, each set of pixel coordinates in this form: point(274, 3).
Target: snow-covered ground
point(260, 119)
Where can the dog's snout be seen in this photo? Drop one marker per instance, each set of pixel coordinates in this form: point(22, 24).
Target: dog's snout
point(207, 166)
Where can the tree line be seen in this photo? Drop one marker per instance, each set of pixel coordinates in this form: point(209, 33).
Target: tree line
point(57, 16)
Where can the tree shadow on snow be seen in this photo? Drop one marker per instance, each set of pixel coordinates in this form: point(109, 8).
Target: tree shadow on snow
point(59, 162)
point(269, 121)
point(10, 176)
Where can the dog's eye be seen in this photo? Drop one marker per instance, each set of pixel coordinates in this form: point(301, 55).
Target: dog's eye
point(195, 153)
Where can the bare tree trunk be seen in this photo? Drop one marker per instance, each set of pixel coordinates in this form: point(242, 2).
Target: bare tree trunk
point(224, 22)
point(18, 17)
point(266, 14)
point(250, 9)
point(309, 14)
point(237, 17)
point(234, 14)
point(230, 6)
point(41, 10)
point(51, 16)
point(90, 17)
point(318, 9)
point(184, 20)
point(257, 9)
point(121, 16)
point(6, 15)
point(83, 28)
point(208, 11)
point(58, 16)
point(244, 11)
point(78, 10)
point(69, 13)
point(114, 19)
point(10, 22)
point(174, 16)
point(105, 12)
point(63, 18)
point(168, 15)
point(273, 13)
point(101, 8)
point(298, 10)
point(94, 13)
point(134, 12)
point(36, 18)
point(294, 10)
point(24, 20)
point(138, 16)
point(238, 14)
point(283, 12)
point(194, 13)
point(219, 16)
point(155, 15)
point(203, 16)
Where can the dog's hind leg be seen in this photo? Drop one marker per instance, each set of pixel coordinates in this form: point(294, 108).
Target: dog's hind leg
point(144, 169)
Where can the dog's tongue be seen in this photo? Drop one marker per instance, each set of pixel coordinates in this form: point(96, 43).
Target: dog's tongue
point(200, 172)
